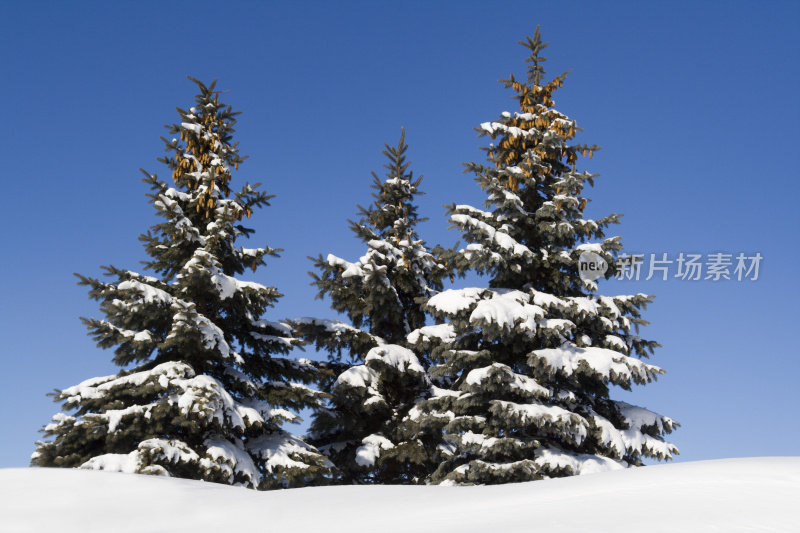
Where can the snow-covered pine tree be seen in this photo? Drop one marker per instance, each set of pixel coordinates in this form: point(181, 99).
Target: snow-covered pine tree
point(207, 385)
point(376, 378)
point(530, 359)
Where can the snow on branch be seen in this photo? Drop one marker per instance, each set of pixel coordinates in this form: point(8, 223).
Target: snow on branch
point(507, 310)
point(592, 361)
point(498, 237)
point(199, 396)
point(284, 451)
point(548, 418)
point(397, 357)
point(552, 459)
point(452, 301)
point(441, 332)
point(503, 375)
point(370, 449)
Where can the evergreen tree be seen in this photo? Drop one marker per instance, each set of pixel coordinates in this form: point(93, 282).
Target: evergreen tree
point(207, 385)
point(530, 359)
point(377, 379)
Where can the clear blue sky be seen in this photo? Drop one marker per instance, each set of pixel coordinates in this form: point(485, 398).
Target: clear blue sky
point(695, 105)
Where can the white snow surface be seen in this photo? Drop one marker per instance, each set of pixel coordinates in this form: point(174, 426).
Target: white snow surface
point(356, 376)
point(371, 447)
point(396, 356)
point(516, 381)
point(443, 332)
point(451, 301)
point(507, 309)
point(730, 495)
point(571, 359)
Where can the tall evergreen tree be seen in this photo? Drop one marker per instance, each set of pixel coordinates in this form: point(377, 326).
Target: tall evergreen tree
point(530, 359)
point(207, 385)
point(377, 379)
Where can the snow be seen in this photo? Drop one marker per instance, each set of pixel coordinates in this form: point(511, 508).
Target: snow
point(616, 343)
point(633, 440)
point(395, 356)
point(476, 438)
point(443, 332)
point(280, 449)
point(609, 436)
point(350, 270)
point(173, 451)
point(142, 336)
point(478, 249)
point(636, 440)
point(357, 376)
point(196, 128)
point(557, 324)
point(514, 380)
point(542, 416)
point(570, 359)
point(492, 127)
point(371, 447)
point(331, 326)
point(186, 317)
point(177, 195)
point(114, 416)
point(227, 286)
point(452, 301)
point(611, 305)
point(149, 294)
point(127, 463)
point(475, 211)
point(282, 327)
point(580, 464)
point(199, 395)
point(730, 495)
point(218, 404)
point(585, 306)
point(284, 341)
point(231, 458)
point(543, 299)
point(507, 310)
point(501, 238)
point(594, 247)
point(98, 387)
point(58, 420)
point(639, 417)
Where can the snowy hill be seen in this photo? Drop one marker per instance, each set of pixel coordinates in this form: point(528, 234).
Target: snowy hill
point(759, 494)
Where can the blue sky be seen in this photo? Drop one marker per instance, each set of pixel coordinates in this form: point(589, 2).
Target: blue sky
point(695, 106)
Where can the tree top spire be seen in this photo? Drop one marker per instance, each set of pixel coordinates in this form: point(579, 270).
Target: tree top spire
point(535, 68)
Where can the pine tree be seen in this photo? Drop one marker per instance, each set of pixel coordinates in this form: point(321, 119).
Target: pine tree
point(206, 385)
point(377, 379)
point(530, 359)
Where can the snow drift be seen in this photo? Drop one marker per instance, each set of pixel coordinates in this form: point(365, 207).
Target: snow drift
point(757, 494)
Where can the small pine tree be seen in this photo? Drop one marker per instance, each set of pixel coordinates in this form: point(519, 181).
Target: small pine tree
point(377, 379)
point(207, 388)
point(530, 359)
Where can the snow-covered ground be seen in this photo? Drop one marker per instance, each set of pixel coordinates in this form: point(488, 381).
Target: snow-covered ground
point(759, 494)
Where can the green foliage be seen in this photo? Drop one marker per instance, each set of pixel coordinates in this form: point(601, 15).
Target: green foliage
point(531, 359)
point(375, 380)
point(207, 384)
point(513, 382)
